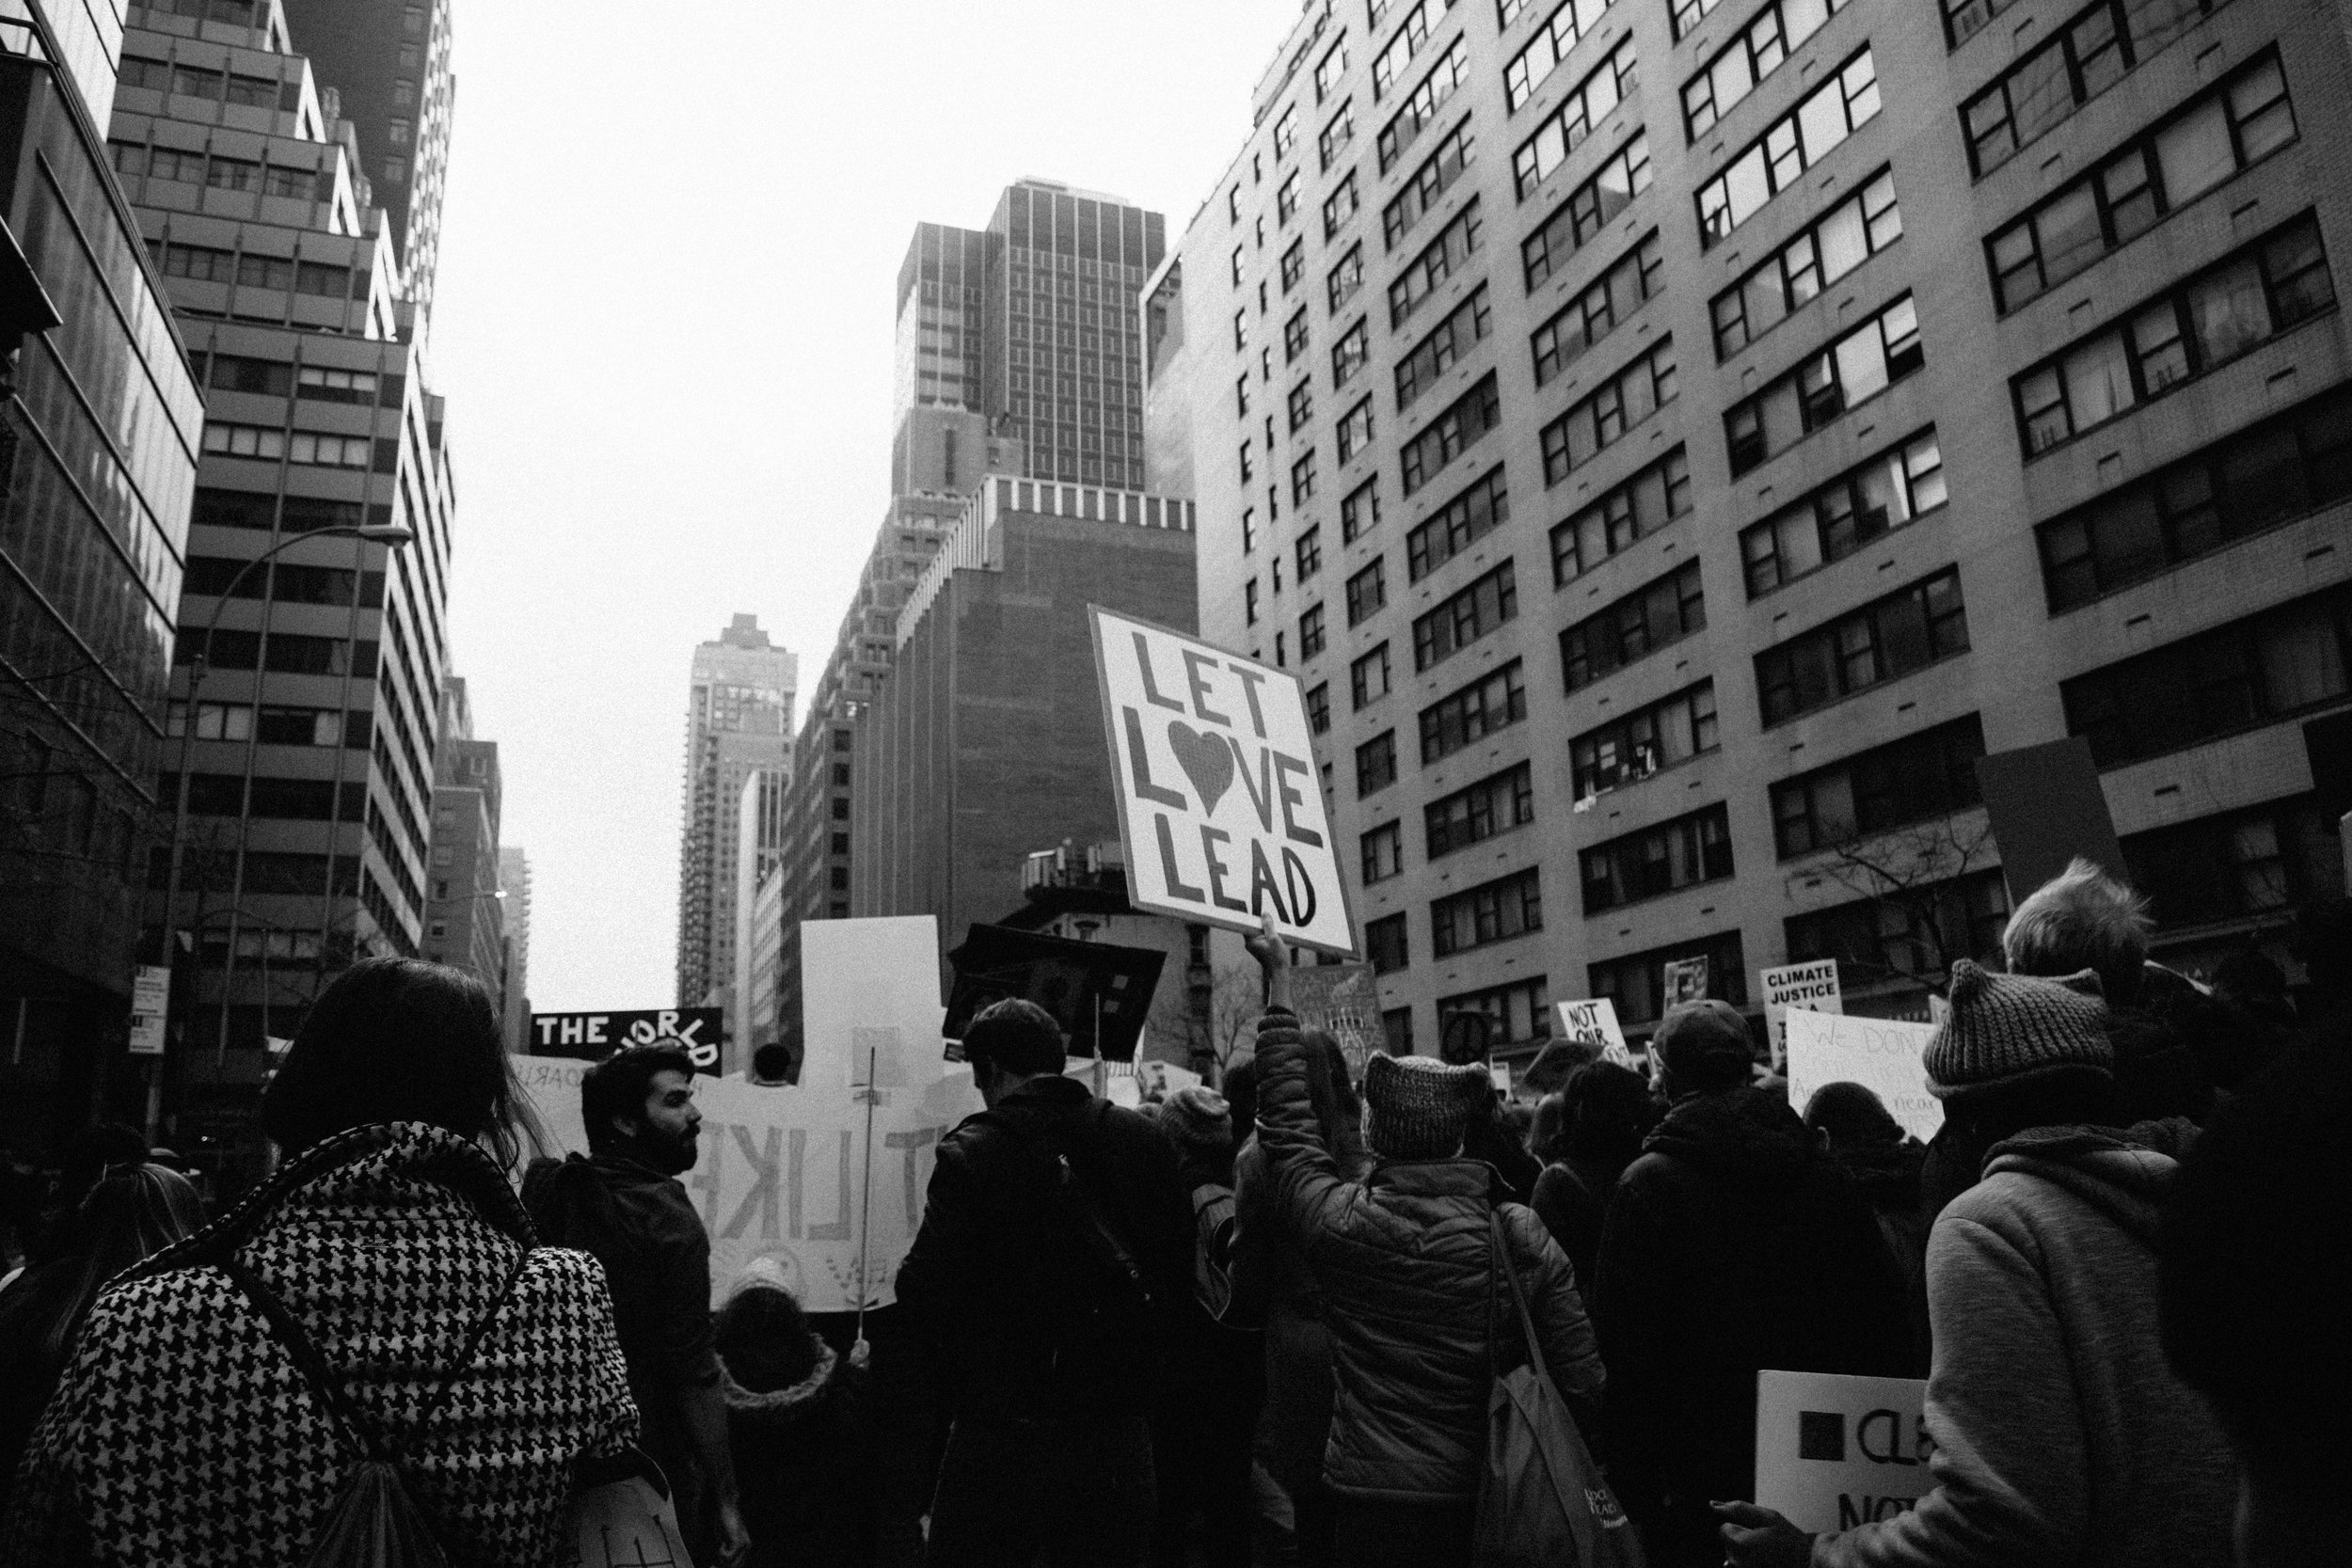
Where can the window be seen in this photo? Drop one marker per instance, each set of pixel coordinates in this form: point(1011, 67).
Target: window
point(1888, 638)
point(1794, 276)
point(1850, 512)
point(1493, 911)
point(1330, 69)
point(1462, 329)
point(1310, 632)
point(317, 383)
point(1564, 130)
point(1355, 429)
point(1428, 184)
point(1932, 773)
point(1456, 525)
point(2090, 54)
point(1653, 861)
point(323, 278)
point(1286, 200)
point(2250, 672)
point(1340, 205)
point(201, 263)
point(1376, 764)
point(2238, 863)
point(1303, 480)
point(1632, 511)
point(1382, 853)
point(1238, 252)
point(1546, 47)
point(1789, 146)
point(1302, 405)
point(1286, 132)
point(1493, 702)
point(1294, 334)
point(263, 272)
point(2218, 135)
point(1336, 133)
point(1422, 106)
point(139, 72)
point(1610, 412)
point(1385, 946)
point(1914, 933)
point(1347, 278)
point(1821, 386)
point(1349, 354)
point(1517, 1012)
point(1241, 395)
point(1319, 707)
point(1360, 511)
point(1495, 804)
point(1589, 208)
point(2221, 313)
point(1463, 618)
point(1368, 678)
point(1635, 985)
point(1233, 203)
point(1242, 455)
point(231, 372)
point(1240, 329)
point(2251, 480)
point(232, 174)
point(1660, 613)
point(1294, 264)
point(1761, 47)
point(1607, 303)
point(1367, 591)
point(1964, 18)
point(1249, 602)
point(1409, 35)
point(299, 184)
point(1437, 263)
point(1452, 433)
point(1626, 751)
point(301, 447)
point(1310, 550)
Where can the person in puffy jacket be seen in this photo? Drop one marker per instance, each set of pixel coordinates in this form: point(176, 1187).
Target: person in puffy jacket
point(1406, 1264)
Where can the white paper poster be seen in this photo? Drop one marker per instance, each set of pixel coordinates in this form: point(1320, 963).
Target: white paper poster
point(871, 987)
point(1808, 985)
point(1595, 1023)
point(1219, 800)
point(151, 1001)
point(1833, 1451)
point(1884, 1054)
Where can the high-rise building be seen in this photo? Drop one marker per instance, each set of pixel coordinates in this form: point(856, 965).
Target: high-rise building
point(1671, 441)
point(388, 66)
point(738, 717)
point(101, 421)
point(515, 910)
point(309, 717)
point(464, 924)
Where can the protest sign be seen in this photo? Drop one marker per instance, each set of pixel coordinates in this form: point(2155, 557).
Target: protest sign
point(593, 1036)
point(1684, 980)
point(1595, 1023)
point(1340, 999)
point(1808, 985)
point(151, 1000)
point(869, 986)
point(1833, 1451)
point(1883, 1054)
point(779, 1172)
point(1218, 801)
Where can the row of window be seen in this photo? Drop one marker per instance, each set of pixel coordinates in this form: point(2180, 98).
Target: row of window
point(2092, 53)
point(1463, 425)
point(1465, 327)
point(1562, 131)
point(283, 581)
point(1659, 612)
point(1629, 512)
point(1428, 185)
point(301, 447)
point(1912, 931)
point(1463, 617)
point(273, 724)
point(300, 799)
point(1754, 53)
point(1606, 191)
point(1546, 47)
point(210, 82)
point(1799, 272)
point(288, 653)
point(1610, 412)
point(233, 372)
point(1863, 504)
point(1409, 35)
point(1926, 774)
point(1606, 304)
point(1890, 637)
point(1822, 386)
point(134, 159)
point(1478, 511)
point(1438, 260)
point(216, 508)
point(212, 264)
point(1792, 144)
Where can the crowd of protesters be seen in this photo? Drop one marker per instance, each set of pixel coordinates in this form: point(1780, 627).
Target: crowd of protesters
point(1253, 1322)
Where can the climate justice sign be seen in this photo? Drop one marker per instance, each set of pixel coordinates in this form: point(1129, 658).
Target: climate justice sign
point(1218, 801)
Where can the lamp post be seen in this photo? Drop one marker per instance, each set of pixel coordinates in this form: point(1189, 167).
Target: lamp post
point(199, 668)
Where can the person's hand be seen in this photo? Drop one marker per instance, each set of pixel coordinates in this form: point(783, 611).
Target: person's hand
point(1758, 1538)
point(735, 1538)
point(1273, 959)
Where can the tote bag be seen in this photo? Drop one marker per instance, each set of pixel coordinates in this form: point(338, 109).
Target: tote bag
point(1542, 1502)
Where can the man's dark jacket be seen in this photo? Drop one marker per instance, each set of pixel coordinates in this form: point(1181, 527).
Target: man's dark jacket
point(1732, 1245)
point(1000, 1264)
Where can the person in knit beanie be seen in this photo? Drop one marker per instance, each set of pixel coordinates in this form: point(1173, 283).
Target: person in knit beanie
point(1404, 1259)
point(2062, 1435)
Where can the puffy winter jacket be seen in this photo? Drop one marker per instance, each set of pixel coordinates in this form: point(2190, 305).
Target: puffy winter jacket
point(1420, 1318)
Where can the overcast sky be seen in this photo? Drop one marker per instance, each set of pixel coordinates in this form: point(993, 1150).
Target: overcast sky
point(671, 244)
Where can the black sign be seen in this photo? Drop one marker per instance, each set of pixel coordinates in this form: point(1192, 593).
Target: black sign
point(593, 1036)
point(1097, 993)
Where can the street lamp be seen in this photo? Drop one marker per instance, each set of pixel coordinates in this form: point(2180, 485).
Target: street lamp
point(388, 534)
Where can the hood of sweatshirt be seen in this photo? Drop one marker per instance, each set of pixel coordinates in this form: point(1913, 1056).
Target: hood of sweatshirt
point(1747, 1134)
point(2123, 1172)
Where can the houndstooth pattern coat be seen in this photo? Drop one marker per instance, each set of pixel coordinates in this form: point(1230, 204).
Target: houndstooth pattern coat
point(182, 1433)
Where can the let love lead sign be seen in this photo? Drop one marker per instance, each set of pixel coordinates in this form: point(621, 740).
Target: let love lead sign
point(1219, 802)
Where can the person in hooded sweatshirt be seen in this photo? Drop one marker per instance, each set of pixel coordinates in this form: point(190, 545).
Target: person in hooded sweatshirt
point(796, 1427)
point(2061, 1435)
point(1733, 1244)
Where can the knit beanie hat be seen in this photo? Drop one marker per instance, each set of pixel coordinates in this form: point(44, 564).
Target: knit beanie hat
point(1196, 1117)
point(1421, 1106)
point(2008, 1029)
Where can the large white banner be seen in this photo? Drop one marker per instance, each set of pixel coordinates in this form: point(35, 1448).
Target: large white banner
point(1218, 801)
point(1883, 1054)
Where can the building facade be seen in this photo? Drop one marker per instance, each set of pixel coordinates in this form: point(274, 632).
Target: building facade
point(305, 690)
point(739, 715)
point(464, 914)
point(99, 436)
point(1672, 440)
point(515, 912)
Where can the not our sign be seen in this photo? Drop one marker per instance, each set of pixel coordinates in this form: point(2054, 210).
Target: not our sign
point(1219, 800)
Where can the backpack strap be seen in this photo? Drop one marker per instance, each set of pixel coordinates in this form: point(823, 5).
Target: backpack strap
point(1518, 1294)
point(1096, 1234)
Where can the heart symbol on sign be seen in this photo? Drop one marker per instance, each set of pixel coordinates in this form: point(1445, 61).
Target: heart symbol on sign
point(1207, 760)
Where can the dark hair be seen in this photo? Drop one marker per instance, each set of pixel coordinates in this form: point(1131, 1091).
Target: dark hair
point(1015, 1036)
point(776, 1064)
point(1339, 1110)
point(1240, 1091)
point(1607, 1111)
point(617, 1086)
point(397, 1039)
point(763, 1336)
point(1851, 1113)
point(1548, 1136)
point(135, 1212)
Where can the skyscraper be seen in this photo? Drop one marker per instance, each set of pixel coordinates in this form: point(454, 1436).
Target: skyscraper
point(464, 924)
point(739, 715)
point(515, 909)
point(310, 717)
point(1695, 431)
point(389, 64)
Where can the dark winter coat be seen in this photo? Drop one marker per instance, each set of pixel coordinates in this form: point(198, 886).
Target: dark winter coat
point(184, 1433)
point(1572, 1199)
point(1732, 1245)
point(803, 1463)
point(998, 1264)
point(1404, 1261)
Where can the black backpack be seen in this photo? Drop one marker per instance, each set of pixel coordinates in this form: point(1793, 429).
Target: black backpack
point(1111, 1297)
